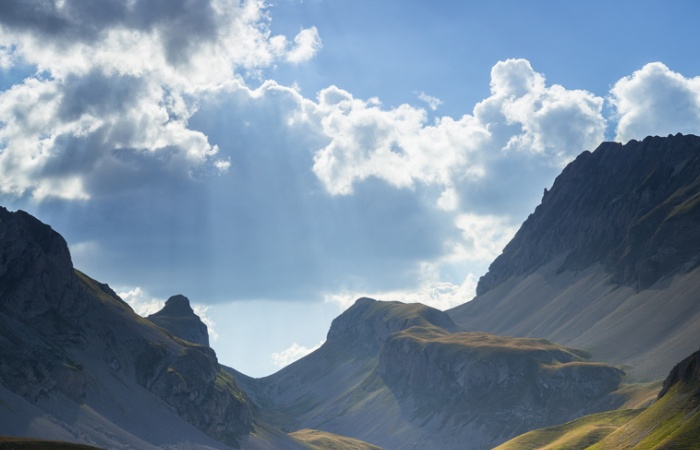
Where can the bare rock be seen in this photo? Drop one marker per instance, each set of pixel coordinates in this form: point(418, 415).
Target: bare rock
point(178, 317)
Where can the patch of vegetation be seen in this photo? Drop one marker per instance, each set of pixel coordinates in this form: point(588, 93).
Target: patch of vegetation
point(577, 434)
point(687, 206)
point(485, 344)
point(672, 422)
point(224, 381)
point(322, 440)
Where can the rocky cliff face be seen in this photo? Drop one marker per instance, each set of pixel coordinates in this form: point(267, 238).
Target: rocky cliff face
point(506, 384)
point(634, 207)
point(59, 329)
point(178, 317)
point(686, 371)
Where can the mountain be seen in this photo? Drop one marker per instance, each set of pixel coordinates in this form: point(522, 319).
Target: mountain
point(608, 262)
point(77, 364)
point(404, 376)
point(672, 422)
point(178, 317)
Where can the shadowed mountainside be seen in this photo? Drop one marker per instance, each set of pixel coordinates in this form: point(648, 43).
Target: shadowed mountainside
point(70, 347)
point(635, 208)
point(608, 262)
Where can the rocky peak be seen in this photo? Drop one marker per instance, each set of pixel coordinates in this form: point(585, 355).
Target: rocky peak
point(176, 306)
point(369, 323)
point(633, 208)
point(178, 317)
point(36, 271)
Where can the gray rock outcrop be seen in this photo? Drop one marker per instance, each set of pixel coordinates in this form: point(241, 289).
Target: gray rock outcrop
point(634, 207)
point(178, 317)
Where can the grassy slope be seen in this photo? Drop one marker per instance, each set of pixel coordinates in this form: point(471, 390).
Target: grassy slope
point(321, 440)
point(672, 422)
point(577, 434)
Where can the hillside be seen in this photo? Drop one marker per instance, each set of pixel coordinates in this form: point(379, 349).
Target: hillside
point(609, 256)
point(403, 376)
point(672, 422)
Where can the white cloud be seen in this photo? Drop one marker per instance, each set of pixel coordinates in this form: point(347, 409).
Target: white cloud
point(433, 102)
point(396, 145)
point(142, 304)
point(201, 310)
point(483, 237)
point(116, 87)
point(292, 353)
point(438, 294)
point(529, 116)
point(306, 44)
point(656, 101)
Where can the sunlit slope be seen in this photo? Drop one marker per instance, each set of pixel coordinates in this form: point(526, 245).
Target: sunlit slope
point(671, 422)
point(577, 434)
point(321, 440)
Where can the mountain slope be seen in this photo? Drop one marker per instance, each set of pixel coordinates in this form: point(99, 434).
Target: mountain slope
point(404, 376)
point(672, 422)
point(610, 255)
point(77, 364)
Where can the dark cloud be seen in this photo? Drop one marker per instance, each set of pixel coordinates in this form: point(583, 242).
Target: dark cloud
point(180, 23)
point(98, 94)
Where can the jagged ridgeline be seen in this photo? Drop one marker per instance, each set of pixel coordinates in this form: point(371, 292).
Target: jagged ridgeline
point(597, 289)
point(608, 262)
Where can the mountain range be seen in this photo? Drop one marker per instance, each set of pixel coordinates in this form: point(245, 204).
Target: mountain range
point(593, 300)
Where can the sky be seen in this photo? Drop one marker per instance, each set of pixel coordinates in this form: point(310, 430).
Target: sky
point(274, 161)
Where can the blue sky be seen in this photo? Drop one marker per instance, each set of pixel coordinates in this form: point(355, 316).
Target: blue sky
point(274, 161)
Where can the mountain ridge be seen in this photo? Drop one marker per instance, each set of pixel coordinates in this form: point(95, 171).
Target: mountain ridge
point(590, 218)
point(610, 255)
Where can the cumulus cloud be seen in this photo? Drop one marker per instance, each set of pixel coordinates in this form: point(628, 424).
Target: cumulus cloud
point(398, 146)
point(532, 117)
point(291, 354)
point(115, 86)
point(394, 145)
point(142, 303)
point(656, 101)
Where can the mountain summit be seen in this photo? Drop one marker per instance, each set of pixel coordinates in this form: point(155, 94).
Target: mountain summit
point(608, 261)
point(633, 208)
point(178, 317)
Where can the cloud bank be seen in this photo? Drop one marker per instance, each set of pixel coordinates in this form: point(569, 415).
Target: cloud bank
point(147, 131)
